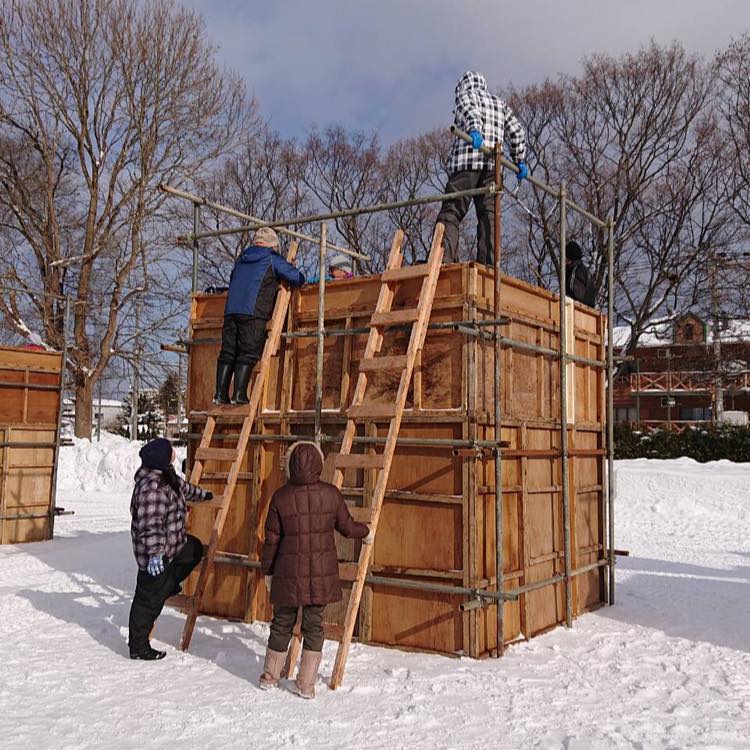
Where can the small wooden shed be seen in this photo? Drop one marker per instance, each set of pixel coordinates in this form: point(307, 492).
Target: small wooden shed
point(30, 395)
point(437, 524)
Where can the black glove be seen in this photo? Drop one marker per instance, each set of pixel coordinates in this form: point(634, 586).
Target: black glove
point(209, 495)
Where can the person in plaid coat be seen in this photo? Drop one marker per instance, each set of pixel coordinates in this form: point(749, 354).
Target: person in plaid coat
point(165, 553)
point(489, 121)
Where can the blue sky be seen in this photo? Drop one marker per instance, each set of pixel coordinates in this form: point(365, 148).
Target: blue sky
point(392, 65)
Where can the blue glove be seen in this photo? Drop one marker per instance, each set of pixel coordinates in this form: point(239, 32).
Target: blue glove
point(523, 171)
point(476, 138)
point(155, 565)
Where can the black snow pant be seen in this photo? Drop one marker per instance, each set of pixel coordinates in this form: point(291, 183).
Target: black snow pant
point(283, 624)
point(242, 340)
point(152, 591)
point(453, 211)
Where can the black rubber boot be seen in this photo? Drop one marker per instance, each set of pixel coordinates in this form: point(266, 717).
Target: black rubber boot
point(148, 654)
point(241, 379)
point(223, 376)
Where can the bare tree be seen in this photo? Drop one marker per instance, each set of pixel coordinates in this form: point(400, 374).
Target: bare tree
point(635, 138)
point(100, 101)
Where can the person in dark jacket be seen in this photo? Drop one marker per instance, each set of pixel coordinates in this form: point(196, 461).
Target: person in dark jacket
point(165, 553)
point(300, 563)
point(489, 121)
point(252, 293)
point(578, 283)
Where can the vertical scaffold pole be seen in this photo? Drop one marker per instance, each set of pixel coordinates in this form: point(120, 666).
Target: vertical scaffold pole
point(564, 413)
point(196, 221)
point(58, 428)
point(610, 404)
point(499, 532)
point(321, 332)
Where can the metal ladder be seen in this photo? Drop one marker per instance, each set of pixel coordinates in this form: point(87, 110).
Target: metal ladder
point(205, 453)
point(382, 317)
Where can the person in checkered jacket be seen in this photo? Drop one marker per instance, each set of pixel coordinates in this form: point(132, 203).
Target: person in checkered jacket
point(489, 121)
point(165, 553)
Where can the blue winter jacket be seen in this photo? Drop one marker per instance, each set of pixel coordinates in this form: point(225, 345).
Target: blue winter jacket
point(255, 281)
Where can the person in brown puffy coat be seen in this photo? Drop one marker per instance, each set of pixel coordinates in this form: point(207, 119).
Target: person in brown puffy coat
point(300, 563)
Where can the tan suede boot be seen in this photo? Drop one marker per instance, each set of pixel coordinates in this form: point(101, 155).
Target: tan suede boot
point(304, 685)
point(272, 669)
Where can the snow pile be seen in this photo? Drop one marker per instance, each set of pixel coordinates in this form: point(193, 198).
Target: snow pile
point(107, 465)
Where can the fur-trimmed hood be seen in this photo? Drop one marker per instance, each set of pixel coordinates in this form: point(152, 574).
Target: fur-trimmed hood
point(303, 463)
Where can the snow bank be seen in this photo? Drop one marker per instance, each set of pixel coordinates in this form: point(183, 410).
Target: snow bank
point(682, 488)
point(105, 465)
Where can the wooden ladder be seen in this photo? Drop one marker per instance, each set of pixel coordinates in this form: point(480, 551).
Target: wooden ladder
point(382, 317)
point(205, 453)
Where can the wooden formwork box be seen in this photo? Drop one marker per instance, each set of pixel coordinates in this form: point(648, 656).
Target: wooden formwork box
point(30, 388)
point(437, 523)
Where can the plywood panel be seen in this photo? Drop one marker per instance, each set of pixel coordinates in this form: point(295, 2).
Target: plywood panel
point(446, 531)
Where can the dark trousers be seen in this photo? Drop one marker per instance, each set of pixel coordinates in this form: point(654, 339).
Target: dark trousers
point(453, 211)
point(242, 339)
point(152, 591)
point(283, 624)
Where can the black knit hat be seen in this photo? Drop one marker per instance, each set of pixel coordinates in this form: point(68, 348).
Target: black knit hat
point(573, 250)
point(157, 454)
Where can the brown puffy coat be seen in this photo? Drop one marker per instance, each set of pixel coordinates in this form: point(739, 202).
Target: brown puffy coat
point(300, 550)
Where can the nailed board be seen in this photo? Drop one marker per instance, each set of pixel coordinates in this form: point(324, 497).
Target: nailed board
point(28, 435)
point(438, 517)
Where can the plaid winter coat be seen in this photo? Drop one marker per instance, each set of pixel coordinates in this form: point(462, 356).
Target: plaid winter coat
point(477, 109)
point(158, 513)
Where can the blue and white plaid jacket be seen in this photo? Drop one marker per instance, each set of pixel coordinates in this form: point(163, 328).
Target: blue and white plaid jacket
point(477, 109)
point(158, 515)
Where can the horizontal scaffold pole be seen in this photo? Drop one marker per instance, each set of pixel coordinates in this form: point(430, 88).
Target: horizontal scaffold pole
point(197, 199)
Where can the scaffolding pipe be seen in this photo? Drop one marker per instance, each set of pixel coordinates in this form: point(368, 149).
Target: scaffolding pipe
point(242, 561)
point(610, 405)
point(320, 332)
point(240, 215)
point(196, 219)
point(531, 179)
point(58, 428)
point(564, 410)
point(497, 372)
point(357, 211)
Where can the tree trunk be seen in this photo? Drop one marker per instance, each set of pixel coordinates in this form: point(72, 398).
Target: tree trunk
point(84, 404)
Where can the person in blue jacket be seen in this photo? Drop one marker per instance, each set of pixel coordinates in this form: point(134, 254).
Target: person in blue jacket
point(252, 293)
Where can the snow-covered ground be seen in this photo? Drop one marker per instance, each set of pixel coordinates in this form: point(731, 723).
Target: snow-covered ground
point(667, 667)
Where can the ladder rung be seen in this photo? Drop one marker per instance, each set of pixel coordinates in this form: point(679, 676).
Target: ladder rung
point(358, 513)
point(392, 362)
point(215, 502)
point(406, 272)
point(242, 476)
point(216, 454)
point(394, 317)
point(180, 601)
point(348, 571)
point(229, 410)
point(359, 461)
point(362, 411)
point(332, 631)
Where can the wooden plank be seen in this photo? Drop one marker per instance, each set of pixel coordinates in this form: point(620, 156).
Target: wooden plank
point(360, 514)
